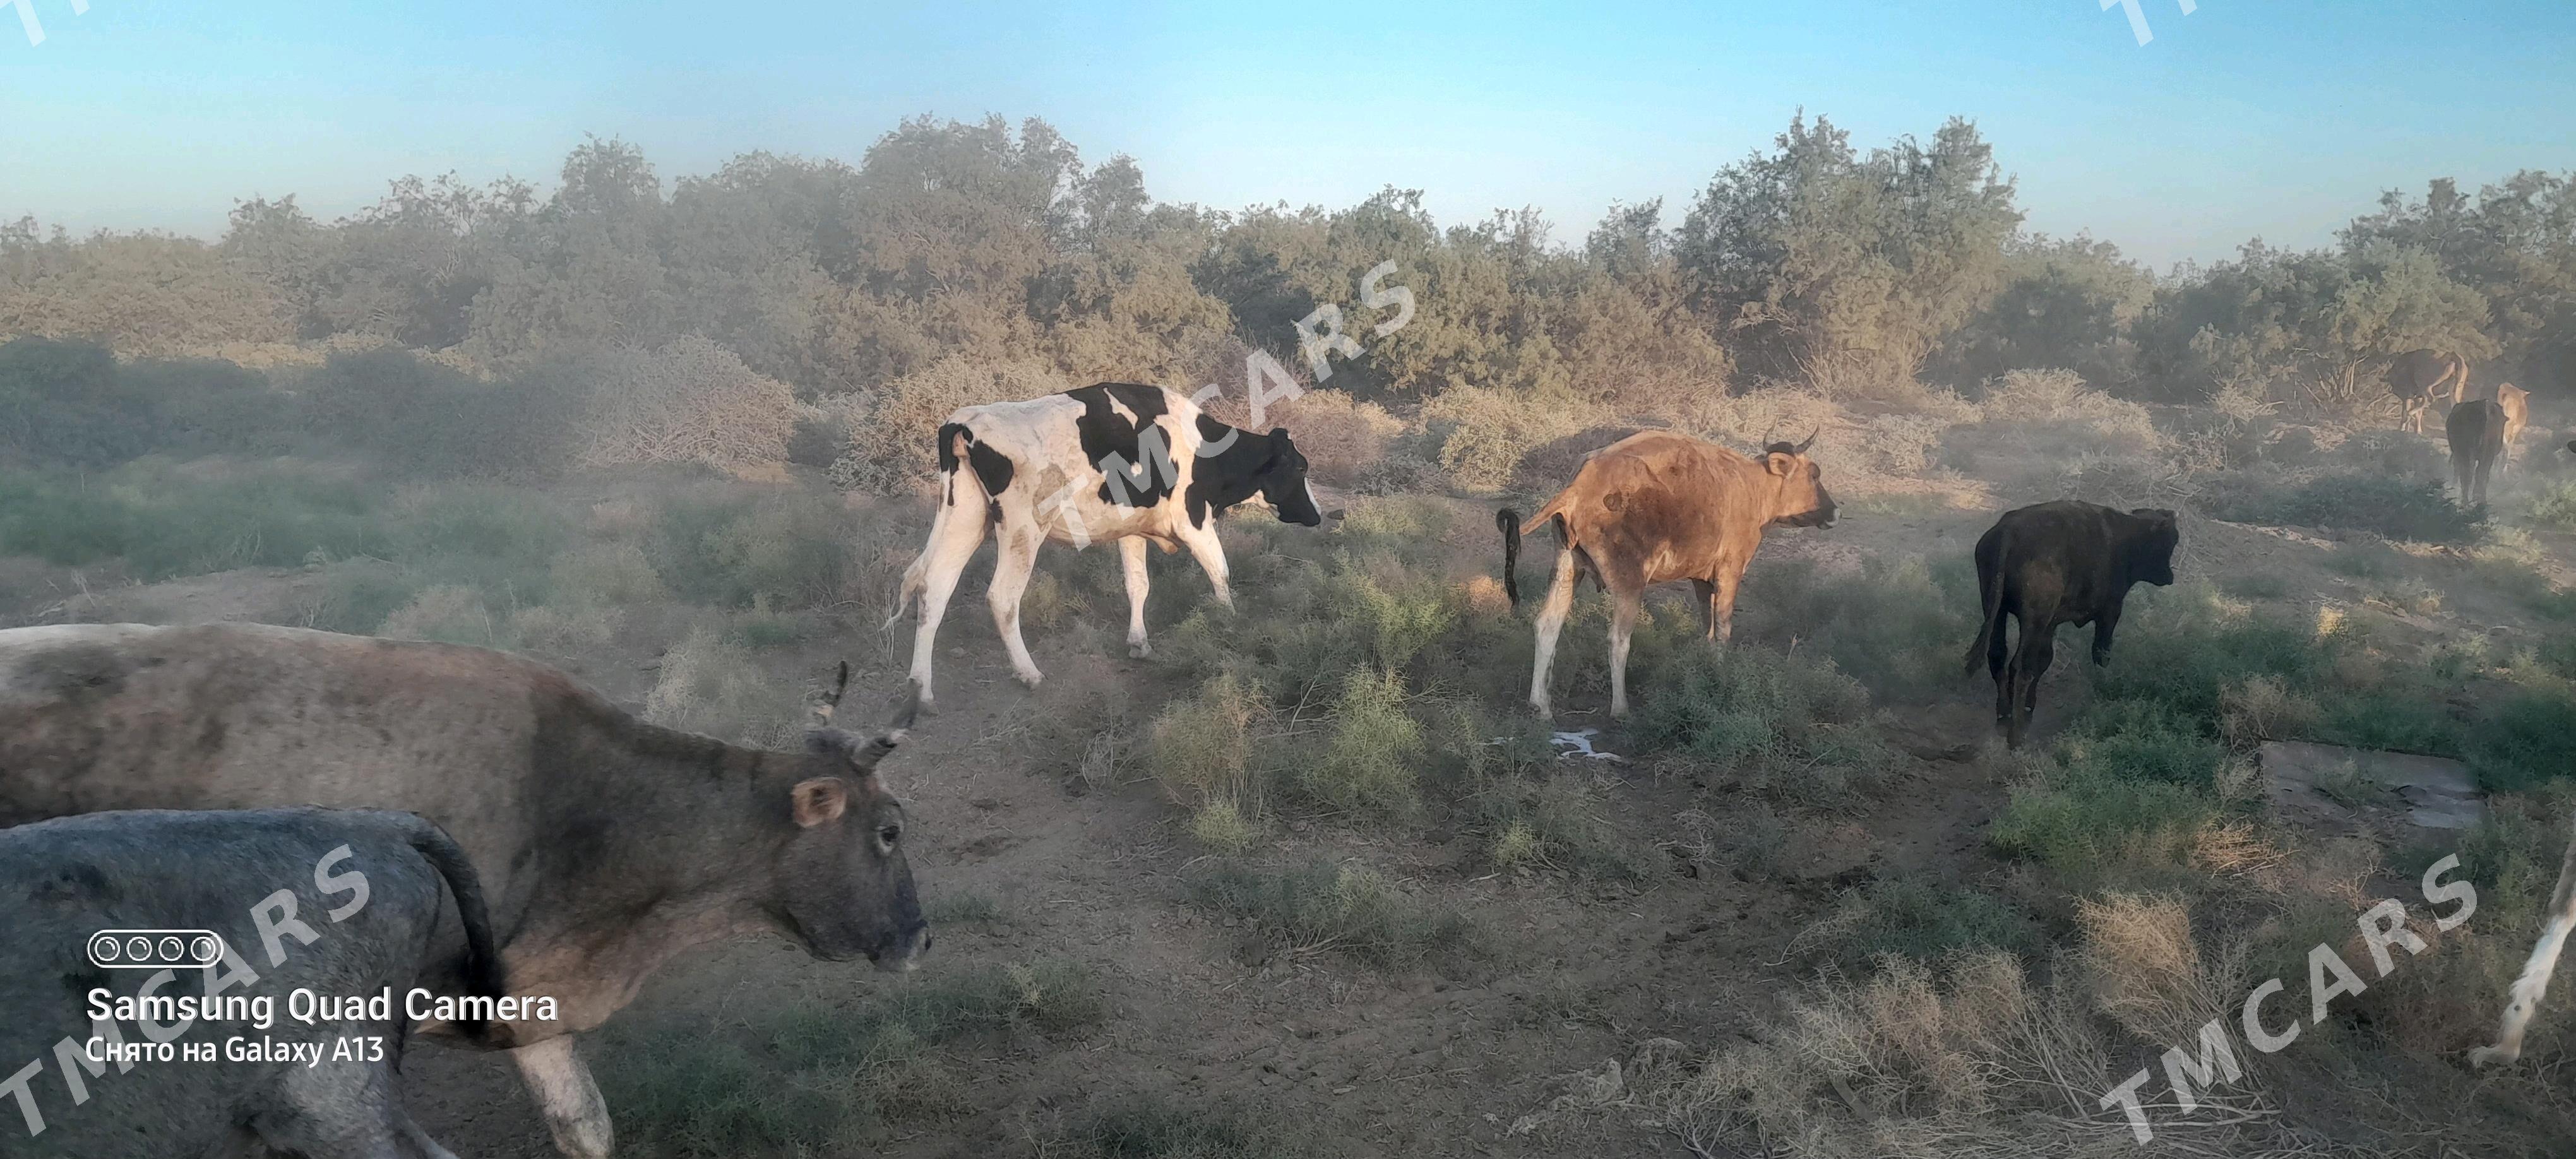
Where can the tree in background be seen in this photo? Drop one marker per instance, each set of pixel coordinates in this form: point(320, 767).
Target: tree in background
point(1818, 265)
point(2067, 303)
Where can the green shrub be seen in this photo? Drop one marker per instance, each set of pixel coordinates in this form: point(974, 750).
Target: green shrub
point(2528, 738)
point(1349, 908)
point(164, 521)
point(1793, 725)
point(791, 548)
point(2077, 820)
point(1371, 749)
point(2552, 505)
point(1914, 919)
point(2396, 507)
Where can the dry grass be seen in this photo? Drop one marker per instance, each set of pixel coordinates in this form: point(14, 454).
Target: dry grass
point(691, 401)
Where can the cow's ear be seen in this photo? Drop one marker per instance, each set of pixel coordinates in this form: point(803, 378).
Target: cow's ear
point(819, 800)
point(1777, 463)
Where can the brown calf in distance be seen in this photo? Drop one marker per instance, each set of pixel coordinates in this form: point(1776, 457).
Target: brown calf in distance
point(1653, 508)
point(2476, 430)
point(2515, 402)
point(2417, 377)
point(2066, 562)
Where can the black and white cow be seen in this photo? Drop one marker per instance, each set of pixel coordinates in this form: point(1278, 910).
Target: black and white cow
point(1112, 461)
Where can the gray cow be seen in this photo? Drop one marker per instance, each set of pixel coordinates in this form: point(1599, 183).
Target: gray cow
point(319, 902)
point(606, 845)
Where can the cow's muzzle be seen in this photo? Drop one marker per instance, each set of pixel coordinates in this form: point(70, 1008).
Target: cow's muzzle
point(904, 957)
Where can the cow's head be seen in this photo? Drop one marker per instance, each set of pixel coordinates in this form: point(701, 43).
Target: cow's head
point(1282, 480)
point(1248, 464)
point(2151, 549)
point(843, 881)
point(1801, 500)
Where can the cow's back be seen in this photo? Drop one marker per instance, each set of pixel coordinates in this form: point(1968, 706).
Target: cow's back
point(1656, 502)
point(127, 716)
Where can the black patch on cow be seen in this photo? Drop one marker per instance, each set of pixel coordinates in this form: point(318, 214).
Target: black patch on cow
point(992, 467)
point(993, 511)
point(944, 444)
point(1229, 476)
point(1104, 432)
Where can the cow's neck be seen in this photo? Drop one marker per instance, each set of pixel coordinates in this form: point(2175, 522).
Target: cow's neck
point(688, 859)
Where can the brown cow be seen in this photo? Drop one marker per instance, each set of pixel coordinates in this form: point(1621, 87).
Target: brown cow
point(2476, 433)
point(1653, 508)
point(605, 844)
point(2515, 402)
point(2417, 377)
point(2066, 562)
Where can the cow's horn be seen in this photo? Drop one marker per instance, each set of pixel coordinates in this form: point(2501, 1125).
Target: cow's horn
point(825, 703)
point(1810, 441)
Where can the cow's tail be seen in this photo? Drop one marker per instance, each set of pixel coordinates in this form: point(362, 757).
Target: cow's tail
point(1508, 522)
point(947, 444)
point(1993, 595)
point(484, 976)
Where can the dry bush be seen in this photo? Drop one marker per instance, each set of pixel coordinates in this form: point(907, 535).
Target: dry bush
point(605, 574)
point(691, 401)
point(449, 613)
point(2053, 411)
point(1484, 433)
point(893, 451)
point(712, 686)
point(2262, 708)
point(1339, 435)
point(562, 629)
point(1201, 748)
point(2145, 968)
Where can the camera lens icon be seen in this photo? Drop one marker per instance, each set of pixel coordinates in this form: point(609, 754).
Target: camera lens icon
point(155, 949)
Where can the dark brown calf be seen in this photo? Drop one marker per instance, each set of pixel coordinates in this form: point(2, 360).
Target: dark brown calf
point(2066, 562)
point(2476, 430)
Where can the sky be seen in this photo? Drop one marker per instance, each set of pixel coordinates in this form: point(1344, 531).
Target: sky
point(2278, 119)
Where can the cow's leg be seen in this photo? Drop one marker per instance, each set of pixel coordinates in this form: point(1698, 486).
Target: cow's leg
point(574, 1112)
point(1210, 552)
point(953, 541)
point(1131, 556)
point(2103, 626)
point(1551, 620)
point(1015, 553)
point(1707, 593)
point(1724, 603)
point(2533, 985)
point(1623, 624)
point(2006, 669)
point(2037, 649)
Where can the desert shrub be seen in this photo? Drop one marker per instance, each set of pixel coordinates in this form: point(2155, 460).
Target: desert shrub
point(166, 520)
point(789, 547)
point(552, 628)
point(2262, 707)
point(1915, 919)
point(1147, 1128)
point(892, 451)
point(2392, 507)
point(800, 1078)
point(1900, 444)
point(213, 407)
point(426, 418)
point(449, 613)
point(2528, 738)
point(691, 401)
point(2080, 821)
point(357, 596)
point(1200, 748)
point(1896, 623)
point(606, 575)
point(2143, 740)
point(2054, 412)
point(1371, 748)
point(1347, 908)
point(503, 539)
point(2552, 504)
point(67, 402)
point(1546, 468)
point(1791, 725)
point(1485, 432)
point(713, 686)
point(1339, 435)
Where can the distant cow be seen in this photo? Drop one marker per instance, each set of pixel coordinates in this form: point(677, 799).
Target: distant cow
point(2066, 562)
point(606, 844)
point(1113, 461)
point(2515, 402)
point(2418, 377)
point(1653, 508)
point(2476, 430)
point(341, 904)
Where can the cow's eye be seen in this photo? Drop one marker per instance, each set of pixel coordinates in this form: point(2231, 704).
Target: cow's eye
point(890, 834)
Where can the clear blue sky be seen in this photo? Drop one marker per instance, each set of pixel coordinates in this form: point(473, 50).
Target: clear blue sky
point(2278, 118)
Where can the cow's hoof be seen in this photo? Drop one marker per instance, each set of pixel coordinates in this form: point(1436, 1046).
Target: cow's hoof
point(1540, 707)
point(1031, 679)
point(2486, 1056)
point(1139, 650)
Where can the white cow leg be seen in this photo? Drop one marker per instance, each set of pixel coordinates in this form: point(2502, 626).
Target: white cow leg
point(1623, 624)
point(1205, 548)
point(562, 1086)
point(2533, 985)
point(1131, 556)
point(952, 542)
point(1551, 620)
point(1015, 555)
